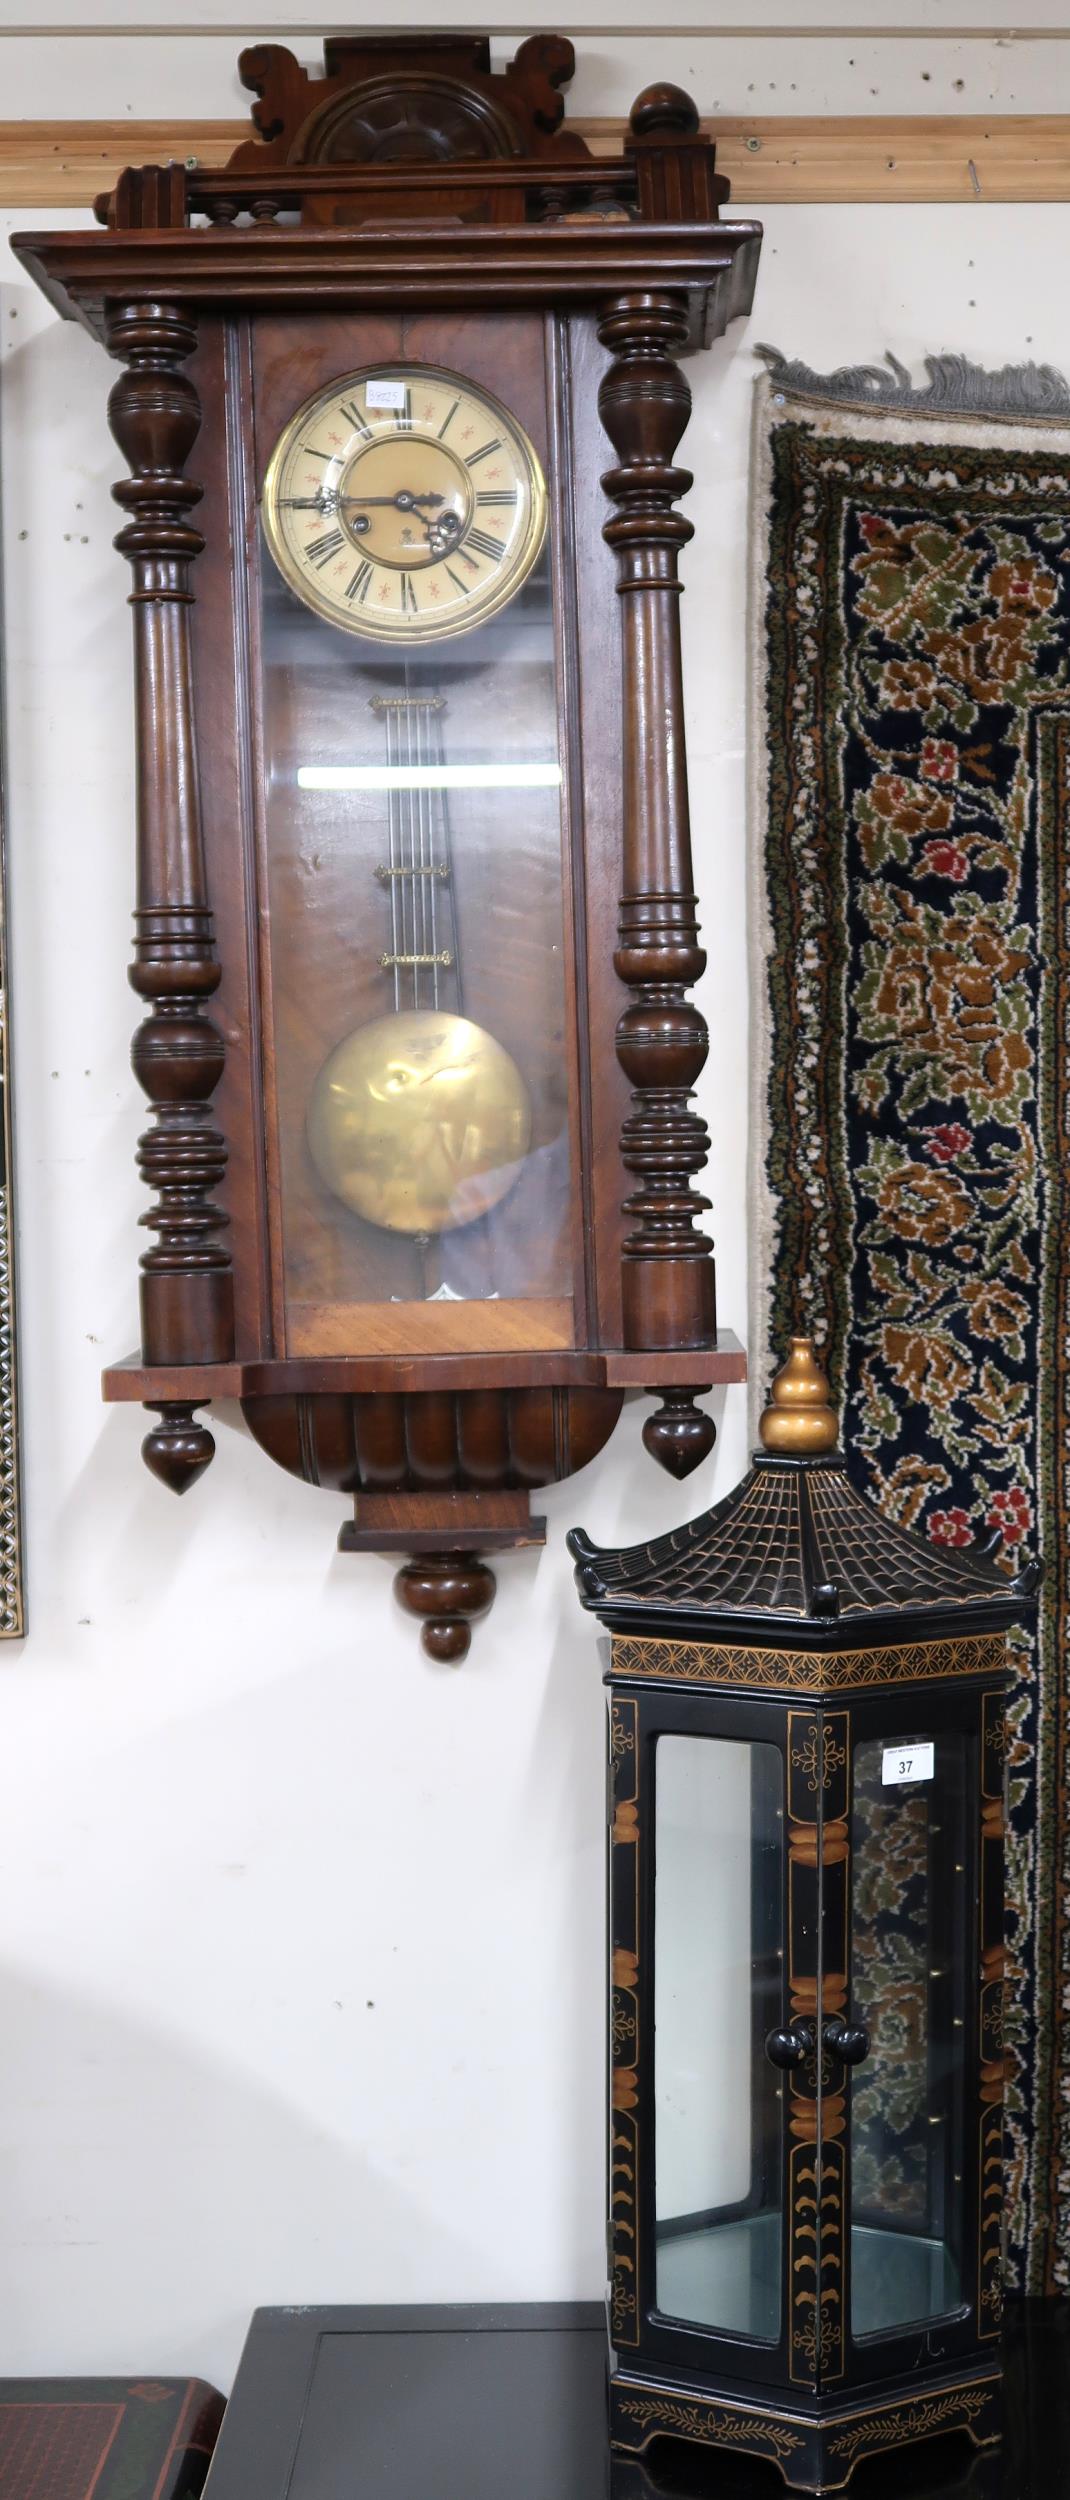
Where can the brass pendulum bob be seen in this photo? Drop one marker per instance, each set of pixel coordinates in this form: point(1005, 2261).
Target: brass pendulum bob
point(418, 1121)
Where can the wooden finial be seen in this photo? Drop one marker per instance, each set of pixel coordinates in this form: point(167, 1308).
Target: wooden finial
point(799, 1422)
point(178, 1449)
point(446, 1591)
point(664, 110)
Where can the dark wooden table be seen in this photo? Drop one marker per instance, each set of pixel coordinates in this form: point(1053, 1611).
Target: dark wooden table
point(509, 2404)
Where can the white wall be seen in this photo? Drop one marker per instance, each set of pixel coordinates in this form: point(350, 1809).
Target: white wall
point(300, 1938)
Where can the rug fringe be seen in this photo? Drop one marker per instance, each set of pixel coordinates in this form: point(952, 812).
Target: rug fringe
point(956, 386)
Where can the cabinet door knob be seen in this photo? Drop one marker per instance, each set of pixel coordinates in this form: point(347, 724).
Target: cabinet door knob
point(788, 2048)
point(847, 2041)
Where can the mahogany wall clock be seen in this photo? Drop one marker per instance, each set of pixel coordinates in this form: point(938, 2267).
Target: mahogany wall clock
point(415, 924)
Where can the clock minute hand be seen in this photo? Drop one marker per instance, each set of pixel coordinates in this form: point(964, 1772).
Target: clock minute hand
point(404, 502)
point(325, 501)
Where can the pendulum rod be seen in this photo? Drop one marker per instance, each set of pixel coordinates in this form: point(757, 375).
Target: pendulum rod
point(417, 809)
point(410, 859)
point(409, 888)
point(430, 730)
point(395, 857)
point(418, 803)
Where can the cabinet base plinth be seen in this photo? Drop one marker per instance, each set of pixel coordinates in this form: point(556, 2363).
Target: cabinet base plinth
point(815, 2451)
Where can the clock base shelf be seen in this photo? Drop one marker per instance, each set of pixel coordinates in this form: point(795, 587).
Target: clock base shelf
point(134, 1383)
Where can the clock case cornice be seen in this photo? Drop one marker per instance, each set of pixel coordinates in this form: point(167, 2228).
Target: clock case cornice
point(543, 221)
point(411, 176)
point(279, 269)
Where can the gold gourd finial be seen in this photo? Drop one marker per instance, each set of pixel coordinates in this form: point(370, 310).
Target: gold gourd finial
point(799, 1422)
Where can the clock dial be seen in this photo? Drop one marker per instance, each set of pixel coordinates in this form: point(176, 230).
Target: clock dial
point(403, 504)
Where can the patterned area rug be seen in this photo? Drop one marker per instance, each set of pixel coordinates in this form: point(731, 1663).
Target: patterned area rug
point(912, 1047)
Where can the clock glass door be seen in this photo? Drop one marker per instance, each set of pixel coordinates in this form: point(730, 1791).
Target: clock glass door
point(719, 1980)
point(914, 1901)
point(422, 1017)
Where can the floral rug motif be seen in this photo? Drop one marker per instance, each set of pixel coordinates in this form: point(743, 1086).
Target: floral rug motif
point(912, 1041)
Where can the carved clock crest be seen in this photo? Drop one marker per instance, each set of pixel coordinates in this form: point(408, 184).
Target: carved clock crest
point(416, 931)
point(385, 101)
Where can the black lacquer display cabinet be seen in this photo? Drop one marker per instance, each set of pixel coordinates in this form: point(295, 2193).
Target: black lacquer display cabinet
point(806, 1907)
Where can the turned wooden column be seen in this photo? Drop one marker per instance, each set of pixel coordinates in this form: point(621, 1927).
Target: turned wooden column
point(644, 400)
point(187, 1313)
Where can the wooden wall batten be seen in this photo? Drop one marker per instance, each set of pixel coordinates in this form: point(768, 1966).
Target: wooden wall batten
point(769, 159)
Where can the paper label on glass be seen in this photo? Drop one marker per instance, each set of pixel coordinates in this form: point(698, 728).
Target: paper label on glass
point(907, 1762)
point(383, 394)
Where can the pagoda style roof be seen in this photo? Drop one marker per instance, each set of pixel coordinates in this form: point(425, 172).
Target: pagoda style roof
point(796, 1545)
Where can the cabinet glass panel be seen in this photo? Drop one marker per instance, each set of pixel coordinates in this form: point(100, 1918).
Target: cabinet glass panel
point(718, 1960)
point(910, 1953)
point(422, 1031)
